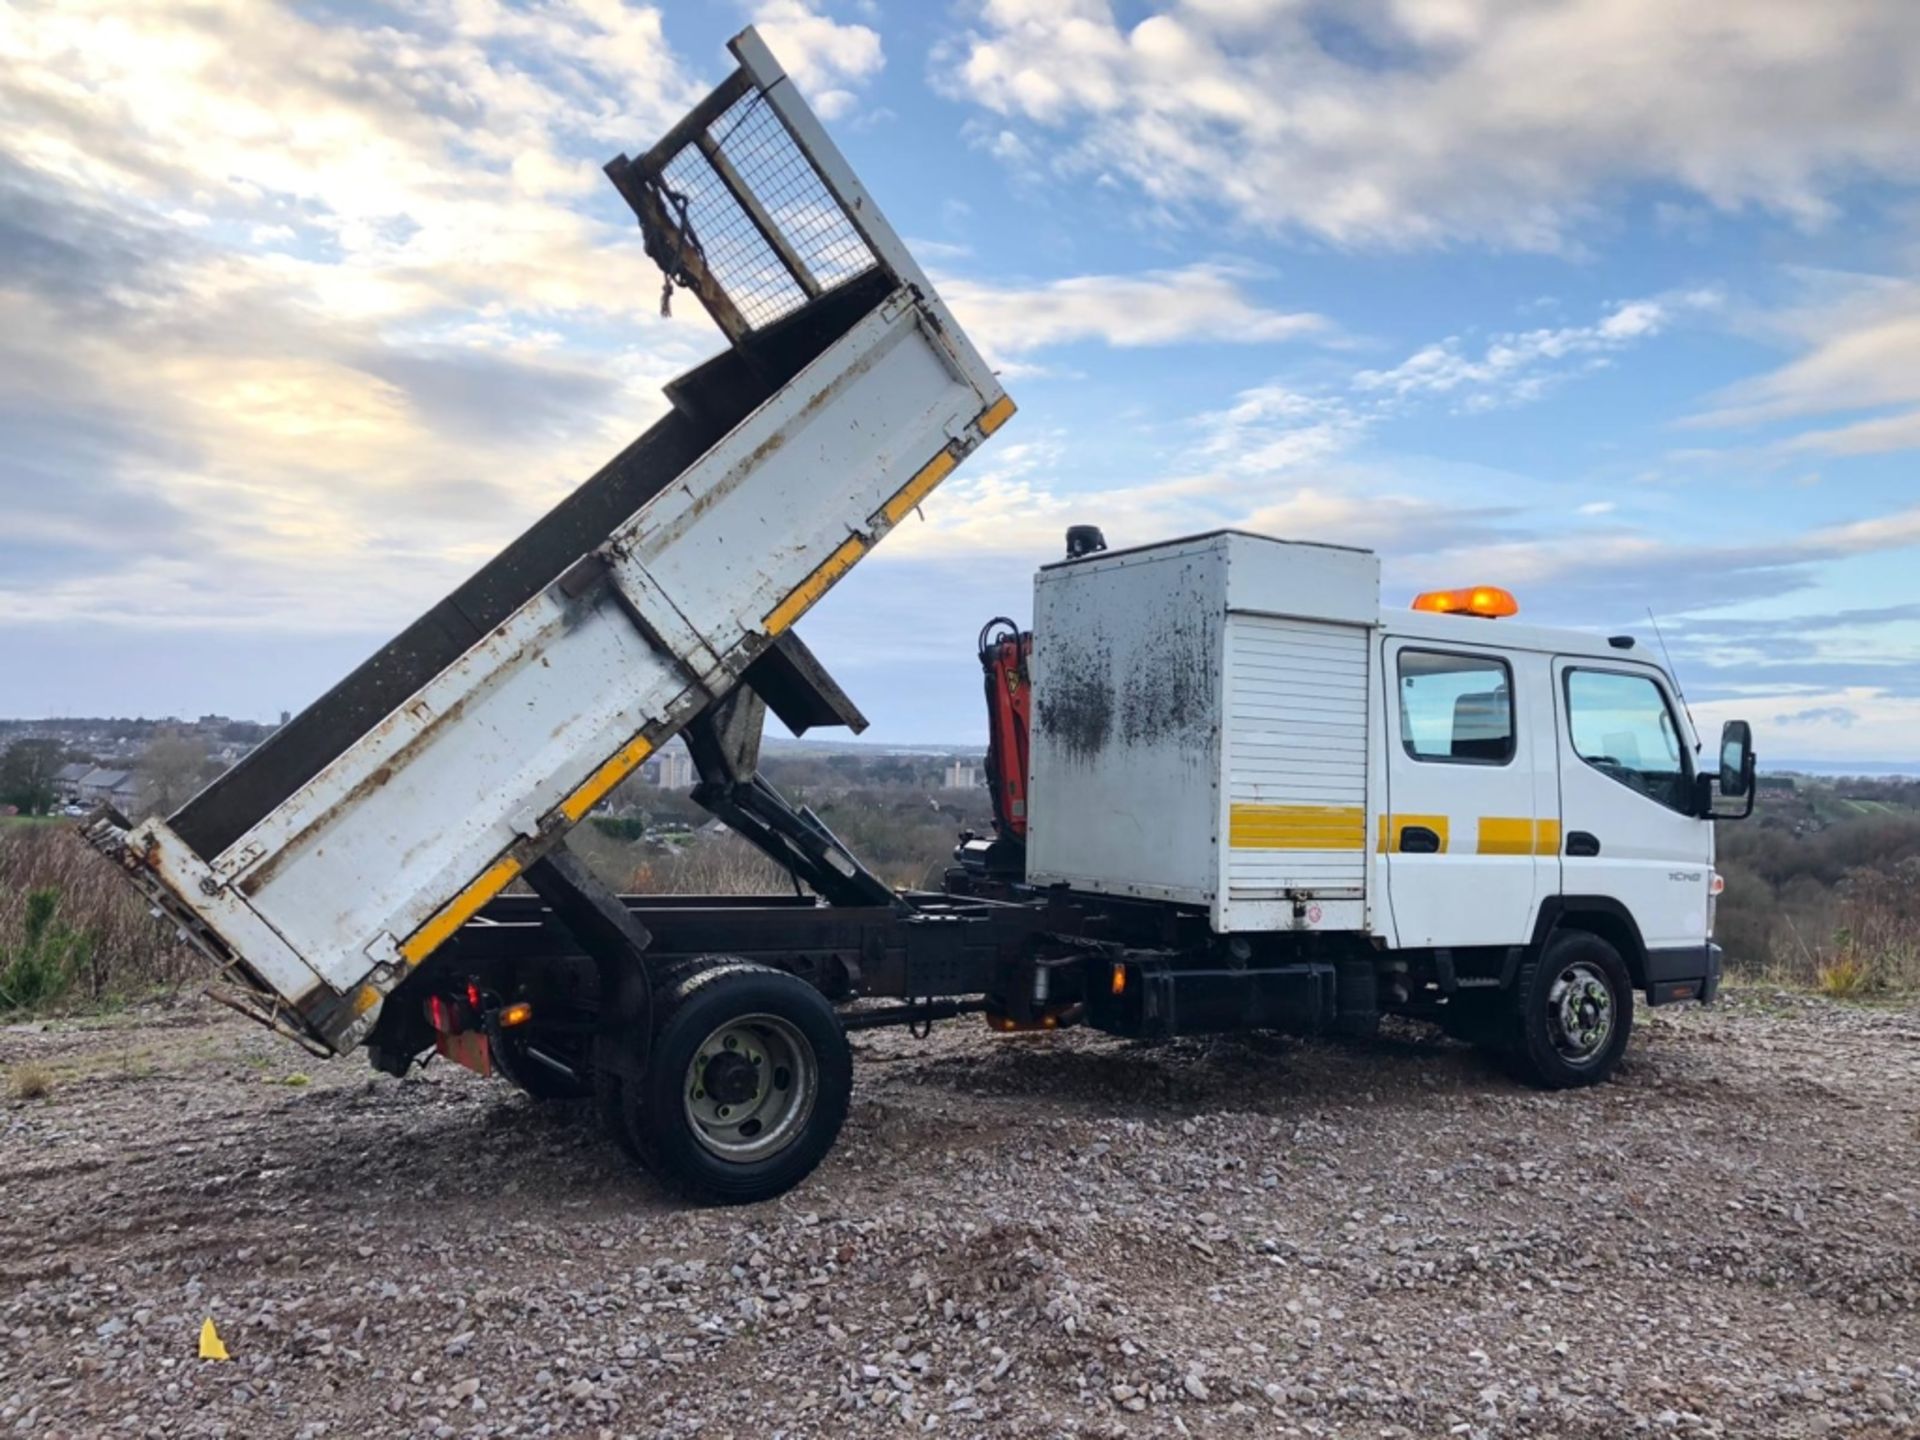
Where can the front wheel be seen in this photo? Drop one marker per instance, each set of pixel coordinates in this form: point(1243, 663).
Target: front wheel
point(1574, 1012)
point(747, 1084)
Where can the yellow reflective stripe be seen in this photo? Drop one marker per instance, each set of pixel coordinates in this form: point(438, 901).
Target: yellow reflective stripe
point(594, 790)
point(1506, 835)
point(1496, 834)
point(1297, 827)
point(782, 616)
point(1518, 835)
point(462, 908)
point(364, 999)
point(918, 488)
point(996, 415)
point(1392, 827)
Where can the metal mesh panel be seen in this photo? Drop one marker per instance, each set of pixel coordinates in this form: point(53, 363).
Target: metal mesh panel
point(793, 200)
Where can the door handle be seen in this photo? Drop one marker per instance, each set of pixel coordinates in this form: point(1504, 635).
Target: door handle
point(1579, 842)
point(1419, 840)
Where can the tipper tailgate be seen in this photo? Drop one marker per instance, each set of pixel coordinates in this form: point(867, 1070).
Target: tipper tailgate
point(357, 840)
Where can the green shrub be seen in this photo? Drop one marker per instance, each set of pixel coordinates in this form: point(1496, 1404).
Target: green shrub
point(1843, 977)
point(95, 940)
point(48, 959)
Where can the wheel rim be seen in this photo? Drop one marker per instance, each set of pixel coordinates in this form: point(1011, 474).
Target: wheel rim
point(1580, 1013)
point(750, 1088)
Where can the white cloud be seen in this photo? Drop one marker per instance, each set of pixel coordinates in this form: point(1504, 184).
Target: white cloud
point(271, 473)
point(327, 311)
point(1838, 724)
point(829, 60)
point(1197, 303)
point(1860, 343)
point(1837, 715)
point(1274, 429)
point(429, 168)
point(1522, 365)
point(1404, 122)
point(1280, 458)
point(1013, 511)
point(1281, 428)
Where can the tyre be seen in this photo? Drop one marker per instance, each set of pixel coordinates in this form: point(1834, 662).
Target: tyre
point(524, 1061)
point(609, 1086)
point(746, 1086)
point(1573, 1012)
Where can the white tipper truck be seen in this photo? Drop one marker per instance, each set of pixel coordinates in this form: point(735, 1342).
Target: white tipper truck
point(1230, 791)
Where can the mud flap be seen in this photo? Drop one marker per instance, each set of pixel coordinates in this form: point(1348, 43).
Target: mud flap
point(617, 944)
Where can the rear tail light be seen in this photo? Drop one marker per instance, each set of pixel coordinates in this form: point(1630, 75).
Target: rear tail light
point(449, 1015)
point(458, 1013)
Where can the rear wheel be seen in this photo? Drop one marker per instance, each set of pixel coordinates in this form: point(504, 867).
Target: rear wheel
point(746, 1086)
point(1573, 1012)
point(610, 1084)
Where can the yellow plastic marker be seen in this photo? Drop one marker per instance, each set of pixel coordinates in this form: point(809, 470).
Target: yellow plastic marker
point(211, 1345)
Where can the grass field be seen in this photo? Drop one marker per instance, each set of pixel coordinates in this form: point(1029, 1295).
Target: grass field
point(1832, 809)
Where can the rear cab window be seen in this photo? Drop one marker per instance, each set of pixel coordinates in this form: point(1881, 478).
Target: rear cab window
point(1623, 725)
point(1456, 708)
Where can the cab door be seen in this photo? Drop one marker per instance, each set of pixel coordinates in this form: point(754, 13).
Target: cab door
point(1626, 783)
point(1470, 803)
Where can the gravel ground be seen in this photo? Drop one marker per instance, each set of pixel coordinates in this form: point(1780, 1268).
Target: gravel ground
point(1017, 1236)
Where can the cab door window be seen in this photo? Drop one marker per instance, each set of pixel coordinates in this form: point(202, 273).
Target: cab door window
point(1623, 727)
point(1456, 708)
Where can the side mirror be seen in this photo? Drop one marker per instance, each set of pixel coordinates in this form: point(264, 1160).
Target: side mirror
point(1736, 759)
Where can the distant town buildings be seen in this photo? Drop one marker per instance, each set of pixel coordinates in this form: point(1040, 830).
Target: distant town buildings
point(90, 785)
point(119, 744)
point(110, 759)
point(673, 769)
point(962, 776)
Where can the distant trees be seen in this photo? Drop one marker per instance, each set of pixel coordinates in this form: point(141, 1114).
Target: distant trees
point(173, 767)
point(1803, 899)
point(27, 771)
point(886, 769)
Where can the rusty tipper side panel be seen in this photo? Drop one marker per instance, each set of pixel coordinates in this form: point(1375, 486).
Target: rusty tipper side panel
point(344, 852)
point(708, 401)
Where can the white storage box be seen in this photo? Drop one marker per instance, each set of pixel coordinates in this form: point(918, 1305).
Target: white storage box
point(1200, 728)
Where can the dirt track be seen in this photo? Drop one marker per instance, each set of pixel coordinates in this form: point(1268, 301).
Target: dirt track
point(1029, 1236)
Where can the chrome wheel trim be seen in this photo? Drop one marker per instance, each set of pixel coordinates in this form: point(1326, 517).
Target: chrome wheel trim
point(1581, 1012)
point(750, 1088)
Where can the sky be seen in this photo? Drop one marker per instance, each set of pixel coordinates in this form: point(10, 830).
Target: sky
point(305, 309)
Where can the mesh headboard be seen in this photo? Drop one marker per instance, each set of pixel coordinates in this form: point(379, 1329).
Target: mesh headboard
point(734, 209)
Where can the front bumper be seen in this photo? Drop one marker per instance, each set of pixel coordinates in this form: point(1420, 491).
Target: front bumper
point(1686, 972)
